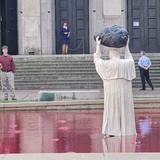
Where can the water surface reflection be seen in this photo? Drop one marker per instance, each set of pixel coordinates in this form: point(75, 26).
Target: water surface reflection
point(72, 131)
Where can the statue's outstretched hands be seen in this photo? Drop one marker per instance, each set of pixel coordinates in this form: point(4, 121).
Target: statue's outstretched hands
point(98, 40)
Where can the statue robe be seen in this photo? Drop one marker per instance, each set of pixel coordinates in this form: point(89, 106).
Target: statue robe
point(118, 114)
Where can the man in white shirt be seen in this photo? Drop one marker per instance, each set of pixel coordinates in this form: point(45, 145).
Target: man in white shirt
point(144, 64)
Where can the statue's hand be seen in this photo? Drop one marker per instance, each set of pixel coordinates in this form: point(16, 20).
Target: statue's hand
point(98, 40)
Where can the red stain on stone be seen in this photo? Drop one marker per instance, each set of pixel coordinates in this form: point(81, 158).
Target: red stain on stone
point(96, 128)
point(12, 125)
point(61, 121)
point(15, 131)
point(135, 142)
point(55, 139)
point(64, 128)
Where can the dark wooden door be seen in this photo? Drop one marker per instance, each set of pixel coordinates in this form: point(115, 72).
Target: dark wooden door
point(76, 14)
point(144, 25)
point(9, 25)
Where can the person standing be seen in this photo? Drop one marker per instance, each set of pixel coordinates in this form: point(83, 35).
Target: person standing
point(144, 64)
point(7, 74)
point(65, 34)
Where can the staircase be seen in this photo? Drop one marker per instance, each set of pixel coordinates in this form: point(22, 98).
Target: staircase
point(68, 72)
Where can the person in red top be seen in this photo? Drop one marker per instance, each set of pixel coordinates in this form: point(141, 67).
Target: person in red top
point(7, 68)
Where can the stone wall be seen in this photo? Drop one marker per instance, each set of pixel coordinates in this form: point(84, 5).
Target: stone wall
point(47, 26)
point(29, 26)
point(36, 23)
point(105, 13)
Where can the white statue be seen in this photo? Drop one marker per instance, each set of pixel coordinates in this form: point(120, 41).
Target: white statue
point(117, 75)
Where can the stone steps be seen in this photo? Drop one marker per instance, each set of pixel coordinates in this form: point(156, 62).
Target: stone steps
point(68, 72)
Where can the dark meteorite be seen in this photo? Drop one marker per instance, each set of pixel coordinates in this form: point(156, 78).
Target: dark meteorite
point(115, 36)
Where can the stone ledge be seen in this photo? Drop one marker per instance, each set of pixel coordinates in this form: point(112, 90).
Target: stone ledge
point(139, 105)
point(86, 156)
point(68, 95)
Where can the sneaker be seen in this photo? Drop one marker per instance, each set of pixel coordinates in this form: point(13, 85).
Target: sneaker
point(14, 99)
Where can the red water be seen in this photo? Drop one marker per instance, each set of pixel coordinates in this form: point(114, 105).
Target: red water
point(73, 131)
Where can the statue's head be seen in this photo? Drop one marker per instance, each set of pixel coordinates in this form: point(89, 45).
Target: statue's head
point(115, 36)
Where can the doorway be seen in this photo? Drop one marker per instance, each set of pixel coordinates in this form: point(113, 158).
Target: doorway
point(144, 25)
point(76, 14)
point(8, 26)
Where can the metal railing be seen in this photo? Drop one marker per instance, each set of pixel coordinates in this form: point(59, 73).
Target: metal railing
point(81, 43)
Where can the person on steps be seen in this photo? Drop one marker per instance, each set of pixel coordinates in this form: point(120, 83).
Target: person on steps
point(144, 64)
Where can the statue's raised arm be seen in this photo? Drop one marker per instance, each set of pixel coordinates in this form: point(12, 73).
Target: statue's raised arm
point(127, 54)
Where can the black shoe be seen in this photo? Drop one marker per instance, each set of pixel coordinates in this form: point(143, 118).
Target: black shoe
point(14, 99)
point(5, 99)
point(152, 88)
point(142, 89)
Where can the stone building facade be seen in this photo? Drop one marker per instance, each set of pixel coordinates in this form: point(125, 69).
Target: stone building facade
point(36, 23)
point(33, 26)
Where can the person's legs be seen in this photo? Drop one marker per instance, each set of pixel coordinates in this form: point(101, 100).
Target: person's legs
point(66, 48)
point(63, 49)
point(11, 84)
point(4, 85)
point(142, 74)
point(148, 79)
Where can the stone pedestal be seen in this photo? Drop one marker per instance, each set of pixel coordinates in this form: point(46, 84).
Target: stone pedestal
point(68, 95)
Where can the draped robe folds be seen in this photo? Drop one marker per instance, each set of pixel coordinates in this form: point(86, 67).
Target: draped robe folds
point(118, 114)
